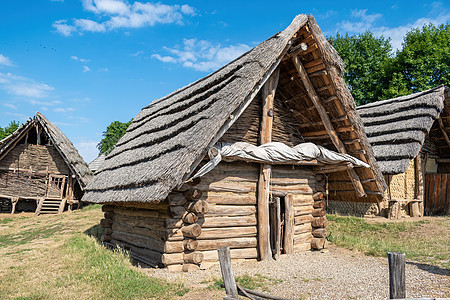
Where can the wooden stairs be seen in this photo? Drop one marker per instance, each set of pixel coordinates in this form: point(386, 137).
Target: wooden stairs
point(50, 206)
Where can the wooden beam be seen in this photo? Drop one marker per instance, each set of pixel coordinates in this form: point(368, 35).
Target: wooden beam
point(326, 122)
point(268, 96)
point(444, 133)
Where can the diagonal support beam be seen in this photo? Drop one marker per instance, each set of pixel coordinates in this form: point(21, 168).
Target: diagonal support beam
point(268, 96)
point(327, 123)
point(444, 133)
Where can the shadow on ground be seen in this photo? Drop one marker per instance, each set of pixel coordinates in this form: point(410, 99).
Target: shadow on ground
point(96, 232)
point(430, 268)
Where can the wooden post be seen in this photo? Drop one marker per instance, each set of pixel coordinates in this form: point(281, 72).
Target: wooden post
point(315, 99)
point(289, 226)
point(227, 273)
point(277, 228)
point(268, 95)
point(397, 288)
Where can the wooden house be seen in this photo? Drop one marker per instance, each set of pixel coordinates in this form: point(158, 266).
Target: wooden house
point(40, 169)
point(288, 90)
point(410, 139)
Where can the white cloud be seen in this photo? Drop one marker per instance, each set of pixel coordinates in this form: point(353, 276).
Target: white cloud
point(63, 110)
point(21, 86)
point(122, 14)
point(137, 53)
point(5, 61)
point(9, 105)
point(83, 60)
point(86, 69)
point(103, 70)
point(44, 103)
point(365, 21)
point(22, 117)
point(202, 55)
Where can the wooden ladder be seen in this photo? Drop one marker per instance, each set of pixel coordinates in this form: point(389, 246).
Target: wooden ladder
point(50, 206)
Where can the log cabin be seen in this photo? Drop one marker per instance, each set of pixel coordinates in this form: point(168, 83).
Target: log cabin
point(285, 92)
point(40, 170)
point(410, 139)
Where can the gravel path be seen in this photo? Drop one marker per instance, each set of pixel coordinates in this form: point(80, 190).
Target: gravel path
point(335, 273)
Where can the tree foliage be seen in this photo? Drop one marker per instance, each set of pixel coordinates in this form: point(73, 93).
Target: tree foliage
point(111, 136)
point(366, 58)
point(4, 132)
point(374, 73)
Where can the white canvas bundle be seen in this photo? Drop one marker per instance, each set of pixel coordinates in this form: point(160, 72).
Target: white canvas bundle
point(274, 153)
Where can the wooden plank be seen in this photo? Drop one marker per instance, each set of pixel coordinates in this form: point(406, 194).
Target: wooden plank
point(397, 287)
point(327, 123)
point(268, 95)
point(289, 227)
point(227, 272)
point(437, 193)
point(443, 193)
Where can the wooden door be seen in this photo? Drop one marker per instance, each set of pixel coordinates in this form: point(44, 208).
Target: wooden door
point(437, 194)
point(56, 186)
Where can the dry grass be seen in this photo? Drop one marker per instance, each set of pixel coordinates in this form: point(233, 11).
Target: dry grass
point(58, 257)
point(424, 240)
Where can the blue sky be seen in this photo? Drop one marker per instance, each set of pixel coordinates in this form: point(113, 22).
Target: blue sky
point(86, 63)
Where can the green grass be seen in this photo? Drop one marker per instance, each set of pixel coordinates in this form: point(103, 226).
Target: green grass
point(5, 221)
point(423, 241)
point(111, 273)
point(26, 236)
point(254, 282)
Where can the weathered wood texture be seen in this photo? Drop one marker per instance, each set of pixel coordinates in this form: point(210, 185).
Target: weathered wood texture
point(227, 272)
point(397, 287)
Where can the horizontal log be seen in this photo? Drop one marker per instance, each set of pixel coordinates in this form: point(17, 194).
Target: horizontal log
point(245, 242)
point(228, 187)
point(216, 222)
point(318, 212)
point(193, 257)
point(318, 196)
point(303, 228)
point(318, 243)
point(320, 188)
point(198, 207)
point(302, 247)
point(288, 181)
point(191, 231)
point(229, 210)
point(302, 219)
point(293, 189)
point(172, 258)
point(319, 177)
point(319, 204)
point(189, 218)
point(319, 222)
point(135, 221)
point(175, 268)
point(149, 254)
point(174, 234)
point(106, 208)
point(230, 199)
point(246, 253)
point(162, 205)
point(302, 238)
point(105, 238)
point(190, 267)
point(175, 199)
point(108, 231)
point(190, 244)
point(302, 210)
point(173, 223)
point(148, 243)
point(142, 231)
point(145, 213)
point(319, 232)
point(227, 232)
point(106, 223)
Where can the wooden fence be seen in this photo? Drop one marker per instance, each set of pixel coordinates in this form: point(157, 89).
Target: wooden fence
point(437, 194)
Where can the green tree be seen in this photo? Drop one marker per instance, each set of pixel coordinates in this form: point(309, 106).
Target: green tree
point(424, 60)
point(366, 59)
point(4, 132)
point(111, 136)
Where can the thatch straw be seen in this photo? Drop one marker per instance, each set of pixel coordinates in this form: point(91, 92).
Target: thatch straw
point(397, 127)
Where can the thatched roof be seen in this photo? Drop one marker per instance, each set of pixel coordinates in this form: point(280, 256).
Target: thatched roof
point(397, 127)
point(64, 146)
point(167, 140)
point(97, 162)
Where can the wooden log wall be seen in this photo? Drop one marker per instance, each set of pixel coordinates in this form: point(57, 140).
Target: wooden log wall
point(319, 221)
point(39, 158)
point(299, 183)
point(23, 184)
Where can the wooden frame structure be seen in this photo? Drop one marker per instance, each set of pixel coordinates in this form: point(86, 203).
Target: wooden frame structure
point(39, 163)
point(288, 89)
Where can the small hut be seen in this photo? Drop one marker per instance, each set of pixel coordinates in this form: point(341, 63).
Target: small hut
point(221, 162)
point(410, 139)
point(40, 169)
